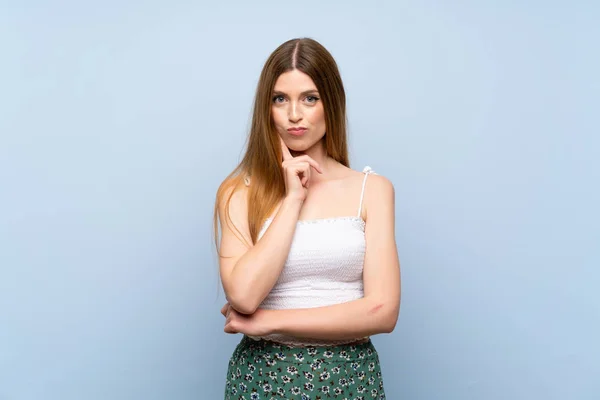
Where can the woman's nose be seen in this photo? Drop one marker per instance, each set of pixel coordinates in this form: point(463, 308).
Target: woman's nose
point(294, 112)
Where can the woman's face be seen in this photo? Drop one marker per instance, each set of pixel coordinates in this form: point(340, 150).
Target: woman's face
point(296, 103)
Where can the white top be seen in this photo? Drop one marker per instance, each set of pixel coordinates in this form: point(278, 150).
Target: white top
point(324, 267)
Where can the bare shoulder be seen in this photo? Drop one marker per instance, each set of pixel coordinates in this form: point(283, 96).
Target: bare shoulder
point(379, 196)
point(354, 174)
point(234, 198)
point(376, 184)
point(349, 175)
point(380, 185)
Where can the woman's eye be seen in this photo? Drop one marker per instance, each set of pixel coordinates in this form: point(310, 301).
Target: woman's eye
point(309, 99)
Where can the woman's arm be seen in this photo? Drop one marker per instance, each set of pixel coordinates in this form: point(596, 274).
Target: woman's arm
point(249, 275)
point(248, 272)
point(377, 312)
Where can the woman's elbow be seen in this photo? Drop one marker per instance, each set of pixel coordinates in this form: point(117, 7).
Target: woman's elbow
point(389, 316)
point(390, 323)
point(242, 303)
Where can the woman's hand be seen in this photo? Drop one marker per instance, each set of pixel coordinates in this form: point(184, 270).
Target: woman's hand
point(252, 325)
point(296, 172)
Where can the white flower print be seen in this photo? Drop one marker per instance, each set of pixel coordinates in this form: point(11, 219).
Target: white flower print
point(283, 372)
point(270, 363)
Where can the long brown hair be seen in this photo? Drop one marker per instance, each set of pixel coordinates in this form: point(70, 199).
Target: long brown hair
point(261, 163)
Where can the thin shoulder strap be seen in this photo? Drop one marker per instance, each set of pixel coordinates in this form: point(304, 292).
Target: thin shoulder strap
point(366, 171)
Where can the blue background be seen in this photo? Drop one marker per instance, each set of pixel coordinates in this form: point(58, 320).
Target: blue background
point(118, 120)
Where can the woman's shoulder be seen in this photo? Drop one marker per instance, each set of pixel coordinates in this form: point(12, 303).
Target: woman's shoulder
point(366, 177)
point(380, 179)
point(233, 192)
point(373, 176)
point(377, 187)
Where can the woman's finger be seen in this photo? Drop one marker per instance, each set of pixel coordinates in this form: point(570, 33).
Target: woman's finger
point(224, 309)
point(306, 175)
point(285, 152)
point(292, 160)
point(229, 329)
point(231, 324)
point(310, 161)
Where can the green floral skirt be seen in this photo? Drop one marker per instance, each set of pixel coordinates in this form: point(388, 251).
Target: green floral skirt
point(267, 370)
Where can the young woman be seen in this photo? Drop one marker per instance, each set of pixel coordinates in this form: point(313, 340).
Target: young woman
point(308, 257)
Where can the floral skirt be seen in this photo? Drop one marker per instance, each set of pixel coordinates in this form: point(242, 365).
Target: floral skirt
point(267, 370)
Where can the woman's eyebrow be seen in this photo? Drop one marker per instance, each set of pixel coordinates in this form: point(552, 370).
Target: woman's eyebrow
point(277, 92)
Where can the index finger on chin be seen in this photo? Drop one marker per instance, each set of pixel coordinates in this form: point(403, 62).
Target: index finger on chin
point(285, 152)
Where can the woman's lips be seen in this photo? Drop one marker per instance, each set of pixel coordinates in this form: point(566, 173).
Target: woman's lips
point(296, 131)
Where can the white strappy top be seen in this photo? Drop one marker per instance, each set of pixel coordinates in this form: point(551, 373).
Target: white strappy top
point(324, 267)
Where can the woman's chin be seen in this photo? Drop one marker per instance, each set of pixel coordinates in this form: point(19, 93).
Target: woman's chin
point(301, 146)
point(297, 145)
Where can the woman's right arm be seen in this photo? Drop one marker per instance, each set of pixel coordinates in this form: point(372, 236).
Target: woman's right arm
point(248, 272)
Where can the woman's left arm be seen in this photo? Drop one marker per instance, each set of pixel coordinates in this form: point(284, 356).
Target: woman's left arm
point(377, 312)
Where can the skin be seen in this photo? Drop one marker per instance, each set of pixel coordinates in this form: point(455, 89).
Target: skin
point(316, 187)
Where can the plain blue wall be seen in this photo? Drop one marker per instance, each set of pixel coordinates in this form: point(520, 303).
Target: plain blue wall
point(119, 119)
